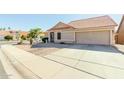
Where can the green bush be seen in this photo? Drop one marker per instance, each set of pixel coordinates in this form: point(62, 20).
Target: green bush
point(8, 37)
point(23, 37)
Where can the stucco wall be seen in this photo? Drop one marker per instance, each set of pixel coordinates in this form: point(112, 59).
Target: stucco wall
point(67, 37)
point(105, 34)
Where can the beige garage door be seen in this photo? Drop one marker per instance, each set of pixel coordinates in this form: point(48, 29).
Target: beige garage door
point(102, 37)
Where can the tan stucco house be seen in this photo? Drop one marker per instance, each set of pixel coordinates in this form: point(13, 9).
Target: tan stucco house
point(97, 30)
point(120, 33)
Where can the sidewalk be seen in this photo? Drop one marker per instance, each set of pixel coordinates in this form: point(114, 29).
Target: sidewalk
point(120, 48)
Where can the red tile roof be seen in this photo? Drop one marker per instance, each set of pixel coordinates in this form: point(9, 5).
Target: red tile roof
point(61, 25)
point(23, 33)
point(101, 21)
point(4, 33)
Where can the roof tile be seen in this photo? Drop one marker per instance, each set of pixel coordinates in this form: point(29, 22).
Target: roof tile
point(101, 21)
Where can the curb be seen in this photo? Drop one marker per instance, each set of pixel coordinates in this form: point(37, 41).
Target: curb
point(24, 72)
point(9, 69)
point(122, 52)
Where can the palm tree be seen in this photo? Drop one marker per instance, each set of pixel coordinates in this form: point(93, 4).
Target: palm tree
point(34, 34)
point(17, 35)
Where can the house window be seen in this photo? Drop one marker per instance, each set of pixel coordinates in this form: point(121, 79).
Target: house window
point(59, 36)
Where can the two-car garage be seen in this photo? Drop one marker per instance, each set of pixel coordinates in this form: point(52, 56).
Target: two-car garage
point(94, 37)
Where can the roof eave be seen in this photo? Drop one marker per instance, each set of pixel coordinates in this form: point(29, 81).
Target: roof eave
point(120, 24)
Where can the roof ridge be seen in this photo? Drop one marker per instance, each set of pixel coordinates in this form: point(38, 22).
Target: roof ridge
point(103, 17)
point(112, 20)
point(66, 24)
point(90, 18)
point(62, 23)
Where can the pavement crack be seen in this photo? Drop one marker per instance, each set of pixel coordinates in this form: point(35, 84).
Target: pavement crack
point(91, 62)
point(75, 68)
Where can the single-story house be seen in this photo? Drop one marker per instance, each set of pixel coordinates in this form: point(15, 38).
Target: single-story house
point(120, 33)
point(97, 30)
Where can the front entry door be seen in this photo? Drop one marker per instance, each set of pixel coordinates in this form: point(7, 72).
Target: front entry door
point(51, 36)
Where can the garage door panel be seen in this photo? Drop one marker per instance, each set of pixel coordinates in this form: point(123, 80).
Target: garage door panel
point(102, 37)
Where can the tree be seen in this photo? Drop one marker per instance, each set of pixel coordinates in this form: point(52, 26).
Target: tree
point(9, 28)
point(23, 37)
point(8, 37)
point(34, 34)
point(17, 35)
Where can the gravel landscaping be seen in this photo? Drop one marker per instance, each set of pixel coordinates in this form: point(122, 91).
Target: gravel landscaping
point(40, 50)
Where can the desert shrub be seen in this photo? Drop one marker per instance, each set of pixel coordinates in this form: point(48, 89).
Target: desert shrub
point(23, 37)
point(8, 37)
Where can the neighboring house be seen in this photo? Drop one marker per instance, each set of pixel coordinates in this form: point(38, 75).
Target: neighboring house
point(120, 33)
point(4, 33)
point(97, 30)
point(12, 33)
point(23, 33)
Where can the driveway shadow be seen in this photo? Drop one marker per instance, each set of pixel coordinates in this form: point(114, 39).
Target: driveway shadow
point(100, 48)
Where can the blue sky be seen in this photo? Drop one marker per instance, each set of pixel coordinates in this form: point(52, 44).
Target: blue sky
point(45, 21)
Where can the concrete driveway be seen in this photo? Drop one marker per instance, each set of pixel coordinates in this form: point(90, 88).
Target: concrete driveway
point(69, 61)
point(103, 61)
